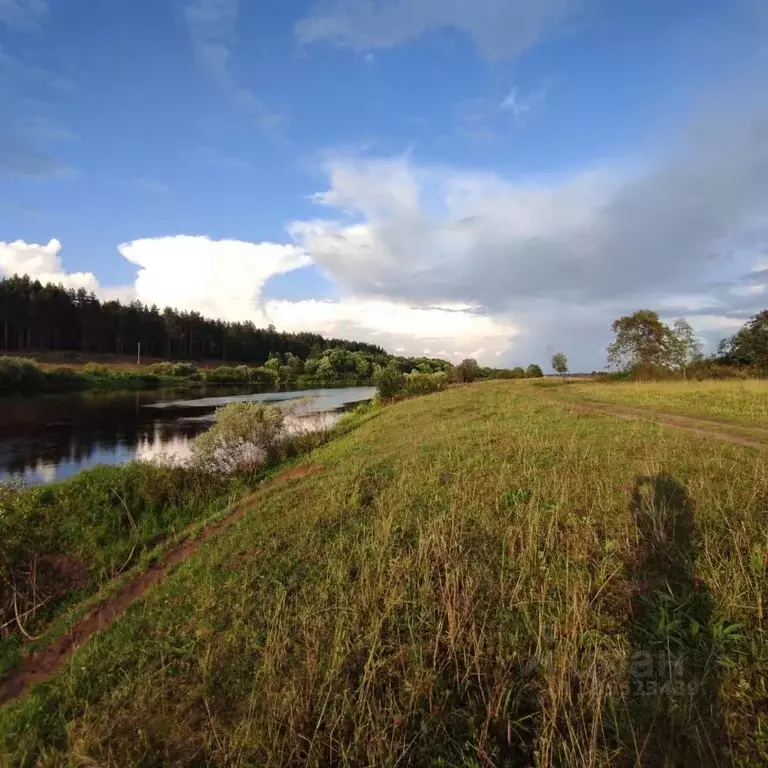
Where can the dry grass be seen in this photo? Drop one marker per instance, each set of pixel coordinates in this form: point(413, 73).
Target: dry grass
point(479, 578)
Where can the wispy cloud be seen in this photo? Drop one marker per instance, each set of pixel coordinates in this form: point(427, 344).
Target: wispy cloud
point(212, 25)
point(32, 75)
point(519, 104)
point(212, 156)
point(22, 161)
point(483, 118)
point(44, 129)
point(500, 28)
point(144, 184)
point(23, 15)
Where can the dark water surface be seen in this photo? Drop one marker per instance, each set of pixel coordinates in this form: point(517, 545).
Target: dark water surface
point(47, 438)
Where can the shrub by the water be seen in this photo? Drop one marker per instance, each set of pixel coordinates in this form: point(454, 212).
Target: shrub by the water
point(185, 369)
point(424, 383)
point(102, 370)
point(242, 374)
point(161, 369)
point(389, 381)
point(245, 437)
point(19, 373)
point(180, 370)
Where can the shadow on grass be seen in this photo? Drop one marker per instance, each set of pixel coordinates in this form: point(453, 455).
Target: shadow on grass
point(673, 682)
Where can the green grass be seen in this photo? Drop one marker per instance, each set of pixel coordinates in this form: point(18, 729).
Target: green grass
point(479, 577)
point(745, 402)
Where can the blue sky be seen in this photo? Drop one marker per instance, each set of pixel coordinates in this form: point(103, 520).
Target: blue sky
point(489, 177)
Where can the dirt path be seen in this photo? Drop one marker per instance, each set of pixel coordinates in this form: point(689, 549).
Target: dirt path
point(44, 663)
point(716, 430)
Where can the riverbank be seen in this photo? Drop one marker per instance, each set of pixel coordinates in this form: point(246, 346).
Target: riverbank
point(21, 375)
point(496, 574)
point(61, 544)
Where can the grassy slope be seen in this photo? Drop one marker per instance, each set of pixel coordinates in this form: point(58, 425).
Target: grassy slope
point(83, 521)
point(471, 579)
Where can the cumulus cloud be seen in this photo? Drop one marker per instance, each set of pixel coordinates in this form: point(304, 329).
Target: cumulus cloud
point(500, 28)
point(411, 330)
point(558, 258)
point(434, 233)
point(218, 278)
point(42, 262)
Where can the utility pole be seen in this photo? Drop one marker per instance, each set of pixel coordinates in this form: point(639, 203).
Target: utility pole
point(138, 355)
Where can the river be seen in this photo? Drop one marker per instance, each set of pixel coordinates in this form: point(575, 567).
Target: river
point(47, 438)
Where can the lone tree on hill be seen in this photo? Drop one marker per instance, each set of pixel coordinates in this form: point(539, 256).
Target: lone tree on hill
point(560, 363)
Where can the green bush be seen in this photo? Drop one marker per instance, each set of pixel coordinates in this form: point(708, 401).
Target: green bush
point(102, 371)
point(242, 374)
point(19, 373)
point(223, 374)
point(417, 383)
point(534, 371)
point(185, 370)
point(161, 369)
point(389, 381)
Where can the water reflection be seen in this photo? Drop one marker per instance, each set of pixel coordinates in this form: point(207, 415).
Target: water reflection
point(48, 438)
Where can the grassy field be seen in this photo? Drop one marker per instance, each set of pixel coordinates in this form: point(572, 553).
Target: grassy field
point(745, 402)
point(481, 577)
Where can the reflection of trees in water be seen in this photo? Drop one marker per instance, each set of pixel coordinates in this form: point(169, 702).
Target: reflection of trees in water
point(41, 433)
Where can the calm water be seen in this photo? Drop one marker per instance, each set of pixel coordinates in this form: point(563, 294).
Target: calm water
point(47, 438)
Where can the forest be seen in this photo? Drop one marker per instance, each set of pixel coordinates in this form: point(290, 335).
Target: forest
point(48, 317)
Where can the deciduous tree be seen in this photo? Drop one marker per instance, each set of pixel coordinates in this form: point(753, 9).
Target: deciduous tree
point(560, 363)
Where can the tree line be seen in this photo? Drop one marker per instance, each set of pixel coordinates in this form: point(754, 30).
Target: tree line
point(49, 317)
point(37, 317)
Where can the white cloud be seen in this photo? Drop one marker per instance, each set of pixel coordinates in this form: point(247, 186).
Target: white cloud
point(218, 278)
point(499, 28)
point(410, 330)
point(42, 262)
point(23, 15)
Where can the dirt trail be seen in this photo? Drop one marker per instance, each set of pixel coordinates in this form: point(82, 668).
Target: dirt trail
point(716, 430)
point(44, 663)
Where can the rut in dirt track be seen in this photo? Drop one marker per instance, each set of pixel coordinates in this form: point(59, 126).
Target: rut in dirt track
point(44, 663)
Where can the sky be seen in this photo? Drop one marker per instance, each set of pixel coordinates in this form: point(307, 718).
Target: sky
point(489, 178)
